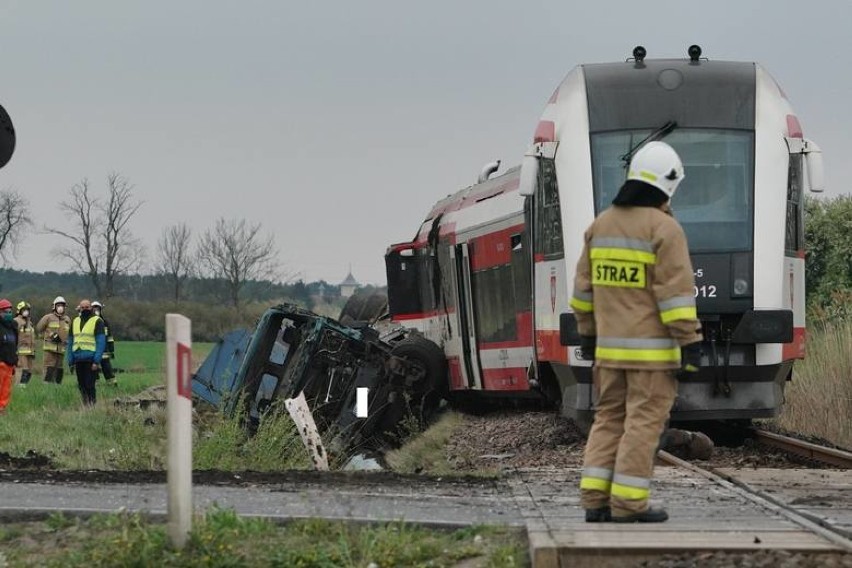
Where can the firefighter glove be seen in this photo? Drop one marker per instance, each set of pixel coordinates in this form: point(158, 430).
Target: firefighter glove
point(587, 347)
point(690, 360)
point(54, 337)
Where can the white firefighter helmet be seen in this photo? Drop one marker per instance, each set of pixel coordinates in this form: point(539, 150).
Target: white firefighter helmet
point(59, 300)
point(656, 163)
point(97, 304)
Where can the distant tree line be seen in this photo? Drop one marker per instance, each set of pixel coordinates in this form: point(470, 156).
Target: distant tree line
point(234, 261)
point(159, 288)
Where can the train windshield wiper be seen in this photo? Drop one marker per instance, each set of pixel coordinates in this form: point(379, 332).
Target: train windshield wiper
point(657, 134)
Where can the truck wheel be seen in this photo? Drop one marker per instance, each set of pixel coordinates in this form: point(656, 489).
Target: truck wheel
point(364, 307)
point(352, 309)
point(427, 394)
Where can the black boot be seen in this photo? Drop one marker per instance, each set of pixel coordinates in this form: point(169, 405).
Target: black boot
point(649, 515)
point(59, 372)
point(50, 374)
point(602, 515)
point(25, 377)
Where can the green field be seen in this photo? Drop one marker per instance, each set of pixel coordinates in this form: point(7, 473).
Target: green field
point(50, 420)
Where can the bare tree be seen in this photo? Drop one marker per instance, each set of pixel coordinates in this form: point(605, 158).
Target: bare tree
point(14, 220)
point(101, 244)
point(123, 252)
point(236, 252)
point(174, 256)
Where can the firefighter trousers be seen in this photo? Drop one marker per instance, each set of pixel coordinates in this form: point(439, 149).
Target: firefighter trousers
point(7, 377)
point(632, 409)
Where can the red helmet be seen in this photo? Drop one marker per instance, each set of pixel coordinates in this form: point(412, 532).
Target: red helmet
point(5, 304)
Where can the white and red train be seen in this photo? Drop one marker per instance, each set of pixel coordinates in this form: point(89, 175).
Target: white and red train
point(488, 276)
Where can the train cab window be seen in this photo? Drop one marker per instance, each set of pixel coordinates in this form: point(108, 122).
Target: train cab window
point(715, 202)
point(794, 234)
point(548, 216)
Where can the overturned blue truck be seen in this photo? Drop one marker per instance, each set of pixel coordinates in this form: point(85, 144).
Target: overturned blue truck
point(295, 354)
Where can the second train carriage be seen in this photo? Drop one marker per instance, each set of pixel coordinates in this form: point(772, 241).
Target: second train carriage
point(489, 275)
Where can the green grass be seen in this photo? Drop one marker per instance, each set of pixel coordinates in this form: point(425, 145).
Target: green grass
point(150, 356)
point(222, 538)
point(223, 443)
point(50, 419)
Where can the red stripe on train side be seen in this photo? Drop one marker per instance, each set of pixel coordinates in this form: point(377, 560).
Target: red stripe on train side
point(548, 348)
point(796, 348)
point(456, 379)
point(545, 132)
point(508, 379)
point(493, 249)
point(475, 197)
point(422, 315)
point(794, 129)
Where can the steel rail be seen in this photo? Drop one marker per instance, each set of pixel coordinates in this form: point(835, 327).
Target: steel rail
point(831, 456)
point(813, 524)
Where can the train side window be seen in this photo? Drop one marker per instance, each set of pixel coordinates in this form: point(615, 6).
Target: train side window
point(794, 234)
point(496, 314)
point(548, 215)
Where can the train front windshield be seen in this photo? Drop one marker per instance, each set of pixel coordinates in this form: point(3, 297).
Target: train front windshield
point(714, 203)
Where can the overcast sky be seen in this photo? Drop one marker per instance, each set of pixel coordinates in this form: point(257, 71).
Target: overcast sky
point(337, 124)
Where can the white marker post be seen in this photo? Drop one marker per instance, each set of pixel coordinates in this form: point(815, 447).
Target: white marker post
point(179, 405)
point(362, 409)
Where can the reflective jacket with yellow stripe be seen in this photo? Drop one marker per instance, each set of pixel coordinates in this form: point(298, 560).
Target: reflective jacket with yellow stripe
point(634, 289)
point(26, 335)
point(87, 340)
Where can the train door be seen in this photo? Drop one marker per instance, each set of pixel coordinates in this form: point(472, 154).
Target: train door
point(550, 285)
point(469, 363)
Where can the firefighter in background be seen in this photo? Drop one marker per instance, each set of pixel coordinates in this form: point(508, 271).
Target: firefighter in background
point(86, 345)
point(53, 328)
point(8, 352)
point(109, 353)
point(26, 343)
point(635, 308)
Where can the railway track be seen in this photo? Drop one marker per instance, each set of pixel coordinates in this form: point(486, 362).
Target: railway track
point(741, 481)
point(831, 456)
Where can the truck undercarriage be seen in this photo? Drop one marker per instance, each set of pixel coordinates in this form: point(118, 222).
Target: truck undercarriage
point(317, 365)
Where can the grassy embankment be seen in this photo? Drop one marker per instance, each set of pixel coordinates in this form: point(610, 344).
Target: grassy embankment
point(819, 399)
point(50, 420)
point(222, 538)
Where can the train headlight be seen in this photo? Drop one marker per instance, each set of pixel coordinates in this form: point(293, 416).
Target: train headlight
point(741, 279)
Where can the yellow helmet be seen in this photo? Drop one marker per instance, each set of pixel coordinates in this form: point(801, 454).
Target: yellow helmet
point(22, 305)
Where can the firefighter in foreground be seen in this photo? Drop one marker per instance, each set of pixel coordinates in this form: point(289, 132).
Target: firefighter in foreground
point(54, 329)
point(109, 353)
point(26, 342)
point(635, 308)
point(8, 352)
point(86, 344)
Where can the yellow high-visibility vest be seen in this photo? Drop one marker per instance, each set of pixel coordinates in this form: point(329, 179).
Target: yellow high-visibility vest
point(84, 339)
